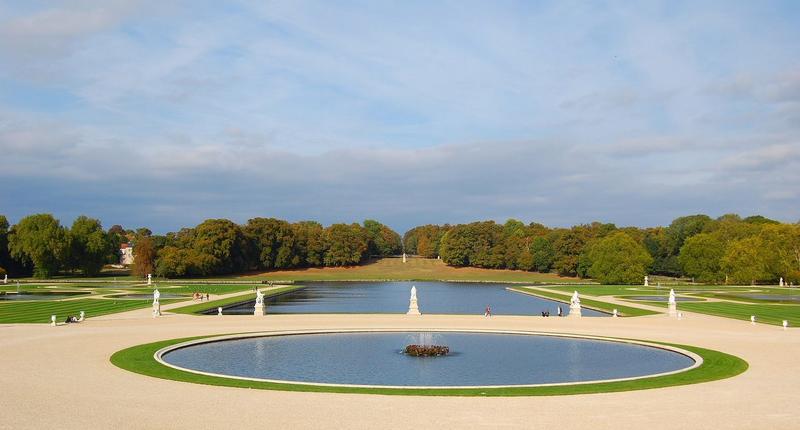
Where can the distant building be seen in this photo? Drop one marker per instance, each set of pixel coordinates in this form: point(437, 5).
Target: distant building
point(126, 254)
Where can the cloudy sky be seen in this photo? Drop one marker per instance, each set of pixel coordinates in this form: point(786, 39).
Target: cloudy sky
point(164, 113)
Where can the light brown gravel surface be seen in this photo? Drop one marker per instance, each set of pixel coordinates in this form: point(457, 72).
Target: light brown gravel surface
point(61, 377)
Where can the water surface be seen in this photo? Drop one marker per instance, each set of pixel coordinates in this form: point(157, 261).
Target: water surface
point(476, 359)
point(392, 297)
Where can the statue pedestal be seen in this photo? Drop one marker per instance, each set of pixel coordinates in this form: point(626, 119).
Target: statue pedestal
point(574, 311)
point(156, 309)
point(260, 310)
point(672, 310)
point(413, 309)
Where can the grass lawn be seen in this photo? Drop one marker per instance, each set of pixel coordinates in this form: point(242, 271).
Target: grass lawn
point(625, 311)
point(198, 308)
point(716, 365)
point(640, 290)
point(767, 314)
point(40, 311)
point(416, 269)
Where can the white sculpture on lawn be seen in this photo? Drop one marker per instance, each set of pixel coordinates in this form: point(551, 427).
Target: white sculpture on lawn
point(5, 278)
point(413, 308)
point(156, 303)
point(260, 309)
point(782, 284)
point(404, 257)
point(646, 281)
point(575, 305)
point(149, 279)
point(672, 305)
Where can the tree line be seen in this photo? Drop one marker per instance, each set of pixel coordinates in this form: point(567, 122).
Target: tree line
point(39, 245)
point(728, 249)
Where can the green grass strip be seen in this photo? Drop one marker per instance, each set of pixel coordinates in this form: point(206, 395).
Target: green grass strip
point(716, 365)
point(622, 310)
point(766, 314)
point(40, 311)
point(199, 308)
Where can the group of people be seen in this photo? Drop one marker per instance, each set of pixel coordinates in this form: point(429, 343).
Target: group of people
point(199, 296)
point(547, 313)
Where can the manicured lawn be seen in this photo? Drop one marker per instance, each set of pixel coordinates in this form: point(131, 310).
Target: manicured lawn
point(767, 314)
point(639, 290)
point(416, 269)
point(40, 311)
point(626, 311)
point(716, 365)
point(198, 308)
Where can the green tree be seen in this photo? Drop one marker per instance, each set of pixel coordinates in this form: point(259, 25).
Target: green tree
point(90, 245)
point(543, 254)
point(309, 243)
point(745, 262)
point(225, 244)
point(683, 228)
point(273, 243)
point(618, 259)
point(347, 244)
point(383, 241)
point(701, 257)
point(41, 240)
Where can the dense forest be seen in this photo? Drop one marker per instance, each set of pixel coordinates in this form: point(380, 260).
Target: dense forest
point(41, 246)
point(729, 249)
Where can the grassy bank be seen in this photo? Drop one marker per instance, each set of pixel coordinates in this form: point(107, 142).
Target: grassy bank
point(415, 269)
point(625, 311)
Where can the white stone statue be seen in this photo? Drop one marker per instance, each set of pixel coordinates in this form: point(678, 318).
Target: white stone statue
point(259, 308)
point(82, 317)
point(149, 279)
point(646, 281)
point(53, 320)
point(404, 257)
point(219, 311)
point(156, 303)
point(785, 324)
point(575, 300)
point(615, 315)
point(575, 305)
point(752, 319)
point(5, 278)
point(672, 305)
point(781, 282)
point(413, 307)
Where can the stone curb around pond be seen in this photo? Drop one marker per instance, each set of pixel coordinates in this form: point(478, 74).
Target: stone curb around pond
point(715, 365)
point(158, 356)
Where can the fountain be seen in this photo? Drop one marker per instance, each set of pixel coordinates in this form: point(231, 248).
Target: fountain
point(413, 308)
point(425, 347)
point(575, 305)
point(672, 304)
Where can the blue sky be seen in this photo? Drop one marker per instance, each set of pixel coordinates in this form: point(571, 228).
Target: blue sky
point(162, 114)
